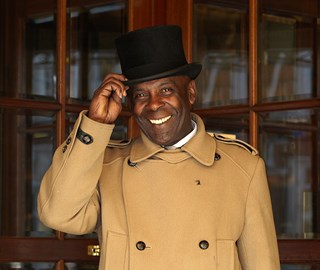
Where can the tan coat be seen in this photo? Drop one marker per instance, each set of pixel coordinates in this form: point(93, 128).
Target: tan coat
point(205, 206)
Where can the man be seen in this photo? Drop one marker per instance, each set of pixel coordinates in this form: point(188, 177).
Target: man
point(174, 198)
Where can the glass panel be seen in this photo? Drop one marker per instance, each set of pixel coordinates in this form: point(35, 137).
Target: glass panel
point(289, 143)
point(27, 266)
point(318, 58)
point(220, 43)
point(237, 126)
point(27, 140)
point(299, 267)
point(286, 57)
point(120, 131)
point(92, 53)
point(81, 266)
point(27, 49)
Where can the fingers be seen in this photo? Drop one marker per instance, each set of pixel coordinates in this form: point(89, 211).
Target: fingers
point(113, 83)
point(106, 104)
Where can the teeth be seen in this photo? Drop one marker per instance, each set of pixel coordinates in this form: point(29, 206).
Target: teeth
point(160, 121)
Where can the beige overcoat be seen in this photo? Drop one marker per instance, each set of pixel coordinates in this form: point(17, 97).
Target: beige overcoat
point(204, 206)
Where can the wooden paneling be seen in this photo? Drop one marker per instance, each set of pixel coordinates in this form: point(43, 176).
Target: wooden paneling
point(144, 13)
point(45, 249)
point(299, 251)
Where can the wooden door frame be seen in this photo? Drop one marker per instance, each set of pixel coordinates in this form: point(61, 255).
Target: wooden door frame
point(146, 13)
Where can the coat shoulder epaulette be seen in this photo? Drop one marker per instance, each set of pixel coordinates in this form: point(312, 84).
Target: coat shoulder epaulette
point(234, 141)
point(119, 143)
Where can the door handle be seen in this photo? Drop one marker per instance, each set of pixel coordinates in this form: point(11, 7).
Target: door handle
point(94, 250)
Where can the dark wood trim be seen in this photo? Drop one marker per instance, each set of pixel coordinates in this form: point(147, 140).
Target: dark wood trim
point(15, 103)
point(61, 68)
point(179, 12)
point(299, 251)
point(288, 105)
point(45, 249)
point(253, 71)
point(223, 110)
point(262, 107)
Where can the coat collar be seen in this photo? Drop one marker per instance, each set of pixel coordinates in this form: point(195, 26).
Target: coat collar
point(201, 147)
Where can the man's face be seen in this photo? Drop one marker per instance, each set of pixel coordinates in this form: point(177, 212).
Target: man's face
point(162, 108)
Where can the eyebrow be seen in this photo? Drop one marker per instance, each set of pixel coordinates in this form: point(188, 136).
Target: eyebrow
point(161, 84)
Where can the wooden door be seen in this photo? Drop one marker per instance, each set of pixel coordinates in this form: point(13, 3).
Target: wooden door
point(48, 49)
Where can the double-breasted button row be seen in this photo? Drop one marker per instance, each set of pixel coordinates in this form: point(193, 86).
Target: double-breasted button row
point(204, 244)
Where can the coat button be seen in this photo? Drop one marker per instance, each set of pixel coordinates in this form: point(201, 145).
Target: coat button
point(131, 164)
point(87, 139)
point(64, 148)
point(84, 137)
point(217, 157)
point(141, 245)
point(68, 141)
point(203, 244)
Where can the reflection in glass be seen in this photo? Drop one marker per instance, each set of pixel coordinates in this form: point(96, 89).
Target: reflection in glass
point(27, 46)
point(120, 132)
point(286, 58)
point(299, 267)
point(40, 61)
point(27, 266)
point(27, 141)
point(289, 147)
point(92, 53)
point(81, 266)
point(220, 43)
point(231, 126)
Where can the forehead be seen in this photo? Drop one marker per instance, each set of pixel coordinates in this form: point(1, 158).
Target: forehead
point(174, 80)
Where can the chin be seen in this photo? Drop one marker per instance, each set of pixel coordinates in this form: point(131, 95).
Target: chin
point(159, 140)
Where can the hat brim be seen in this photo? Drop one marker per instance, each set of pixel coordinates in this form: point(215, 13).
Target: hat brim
point(191, 70)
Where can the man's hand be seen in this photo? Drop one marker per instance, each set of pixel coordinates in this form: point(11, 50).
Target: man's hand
point(106, 104)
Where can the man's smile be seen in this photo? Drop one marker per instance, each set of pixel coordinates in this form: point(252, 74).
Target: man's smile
point(160, 121)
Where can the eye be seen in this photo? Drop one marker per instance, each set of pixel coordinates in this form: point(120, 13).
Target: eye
point(139, 95)
point(166, 90)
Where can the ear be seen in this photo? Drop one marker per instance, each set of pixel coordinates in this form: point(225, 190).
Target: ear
point(192, 92)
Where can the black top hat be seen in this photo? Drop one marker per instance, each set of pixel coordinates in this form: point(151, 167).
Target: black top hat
point(153, 53)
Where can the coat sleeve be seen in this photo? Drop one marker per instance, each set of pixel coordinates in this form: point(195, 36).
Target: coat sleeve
point(258, 247)
point(68, 199)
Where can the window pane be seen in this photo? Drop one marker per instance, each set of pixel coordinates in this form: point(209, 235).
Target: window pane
point(120, 131)
point(286, 57)
point(318, 58)
point(81, 266)
point(220, 43)
point(92, 53)
point(27, 61)
point(27, 141)
point(27, 266)
point(289, 143)
point(237, 126)
point(299, 267)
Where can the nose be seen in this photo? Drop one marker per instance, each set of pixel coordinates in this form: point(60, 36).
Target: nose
point(155, 102)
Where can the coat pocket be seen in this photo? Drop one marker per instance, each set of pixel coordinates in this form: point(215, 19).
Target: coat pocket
point(227, 255)
point(116, 249)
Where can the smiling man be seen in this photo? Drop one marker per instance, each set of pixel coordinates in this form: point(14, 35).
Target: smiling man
point(173, 198)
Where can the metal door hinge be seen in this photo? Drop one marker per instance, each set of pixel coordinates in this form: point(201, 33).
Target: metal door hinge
point(94, 250)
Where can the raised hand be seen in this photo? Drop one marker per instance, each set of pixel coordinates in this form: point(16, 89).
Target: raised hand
point(106, 104)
